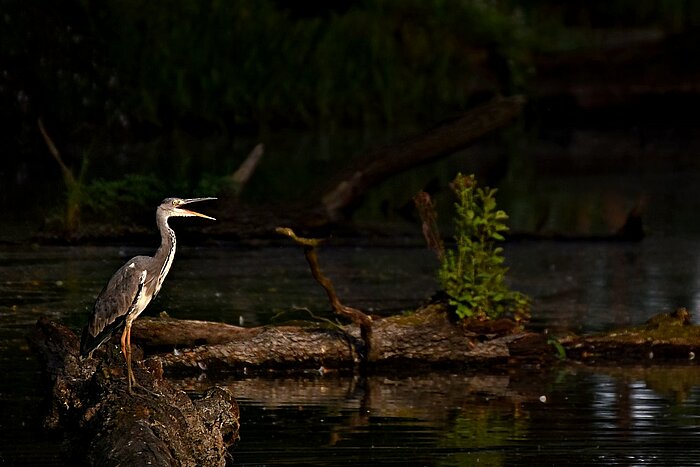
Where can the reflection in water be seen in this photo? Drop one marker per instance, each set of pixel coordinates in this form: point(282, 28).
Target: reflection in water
point(624, 416)
point(587, 287)
point(384, 419)
point(564, 416)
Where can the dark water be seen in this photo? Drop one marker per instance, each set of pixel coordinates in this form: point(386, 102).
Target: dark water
point(527, 418)
point(566, 415)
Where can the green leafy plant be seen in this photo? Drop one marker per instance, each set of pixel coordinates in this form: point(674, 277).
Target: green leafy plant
point(473, 273)
point(554, 342)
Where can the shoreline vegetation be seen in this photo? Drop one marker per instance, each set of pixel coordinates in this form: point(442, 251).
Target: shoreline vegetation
point(149, 88)
point(214, 66)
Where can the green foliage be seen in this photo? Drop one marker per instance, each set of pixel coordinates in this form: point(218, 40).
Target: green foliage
point(561, 351)
point(473, 274)
point(74, 195)
point(74, 185)
point(100, 199)
point(215, 63)
point(127, 195)
point(253, 61)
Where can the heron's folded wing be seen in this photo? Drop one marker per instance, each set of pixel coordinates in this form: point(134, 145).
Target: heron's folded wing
point(113, 304)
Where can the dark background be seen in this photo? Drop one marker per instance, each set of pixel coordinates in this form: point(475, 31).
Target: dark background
point(147, 100)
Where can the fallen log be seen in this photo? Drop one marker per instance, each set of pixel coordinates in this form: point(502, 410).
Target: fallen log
point(664, 337)
point(351, 183)
point(106, 425)
point(343, 192)
point(425, 337)
point(170, 333)
point(327, 205)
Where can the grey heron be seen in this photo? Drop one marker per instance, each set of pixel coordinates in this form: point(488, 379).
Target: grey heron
point(133, 286)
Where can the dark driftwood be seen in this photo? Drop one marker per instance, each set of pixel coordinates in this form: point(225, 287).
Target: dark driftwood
point(344, 191)
point(106, 425)
point(171, 333)
point(360, 318)
point(665, 337)
point(352, 183)
point(426, 337)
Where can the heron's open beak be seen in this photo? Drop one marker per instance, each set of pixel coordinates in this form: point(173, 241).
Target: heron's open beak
point(187, 212)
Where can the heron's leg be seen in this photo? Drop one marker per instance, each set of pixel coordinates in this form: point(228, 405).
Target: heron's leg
point(132, 379)
point(126, 351)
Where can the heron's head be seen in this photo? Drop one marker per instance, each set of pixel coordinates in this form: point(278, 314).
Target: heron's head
point(173, 207)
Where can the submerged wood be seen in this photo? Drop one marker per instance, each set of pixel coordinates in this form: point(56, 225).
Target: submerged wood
point(106, 425)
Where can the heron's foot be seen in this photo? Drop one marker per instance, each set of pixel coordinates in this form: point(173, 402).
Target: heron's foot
point(134, 385)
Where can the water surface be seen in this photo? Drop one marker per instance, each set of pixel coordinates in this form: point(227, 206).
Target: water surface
point(632, 416)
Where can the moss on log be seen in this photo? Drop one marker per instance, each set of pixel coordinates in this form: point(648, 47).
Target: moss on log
point(664, 337)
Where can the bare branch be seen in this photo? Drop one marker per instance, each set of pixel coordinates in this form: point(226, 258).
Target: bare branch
point(67, 174)
point(427, 213)
point(358, 317)
point(241, 176)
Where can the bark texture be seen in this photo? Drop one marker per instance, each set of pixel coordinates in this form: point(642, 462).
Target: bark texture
point(426, 337)
point(105, 425)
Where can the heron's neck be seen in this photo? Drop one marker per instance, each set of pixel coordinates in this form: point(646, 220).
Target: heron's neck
point(166, 252)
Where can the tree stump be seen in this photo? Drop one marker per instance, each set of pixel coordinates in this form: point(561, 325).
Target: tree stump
point(106, 425)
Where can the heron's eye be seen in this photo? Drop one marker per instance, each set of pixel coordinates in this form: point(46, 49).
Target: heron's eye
point(175, 202)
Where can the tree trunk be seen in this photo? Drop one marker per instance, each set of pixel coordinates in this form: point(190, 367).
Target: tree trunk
point(426, 337)
point(106, 425)
point(365, 172)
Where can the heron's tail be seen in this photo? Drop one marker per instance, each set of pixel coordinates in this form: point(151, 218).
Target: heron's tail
point(90, 343)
